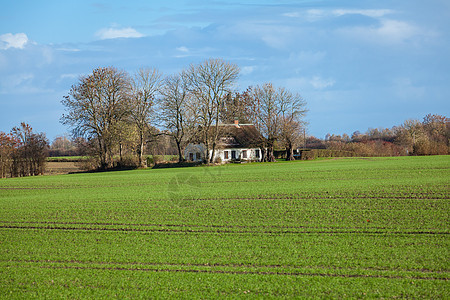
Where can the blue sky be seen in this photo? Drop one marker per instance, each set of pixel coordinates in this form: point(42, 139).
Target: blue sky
point(358, 64)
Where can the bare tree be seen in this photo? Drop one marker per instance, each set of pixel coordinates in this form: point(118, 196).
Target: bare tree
point(292, 110)
point(210, 82)
point(277, 114)
point(8, 145)
point(267, 117)
point(30, 153)
point(437, 128)
point(291, 135)
point(95, 105)
point(63, 146)
point(146, 84)
point(177, 112)
point(409, 133)
point(237, 106)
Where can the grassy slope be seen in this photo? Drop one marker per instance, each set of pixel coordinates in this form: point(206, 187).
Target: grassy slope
point(343, 227)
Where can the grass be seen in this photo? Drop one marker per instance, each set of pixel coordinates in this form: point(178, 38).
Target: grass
point(373, 227)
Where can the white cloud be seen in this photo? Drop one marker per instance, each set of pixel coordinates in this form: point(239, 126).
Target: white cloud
point(113, 33)
point(388, 32)
point(373, 13)
point(70, 76)
point(10, 40)
point(183, 49)
point(309, 83)
point(67, 76)
point(292, 14)
point(321, 83)
point(273, 34)
point(68, 49)
point(247, 70)
point(276, 36)
point(311, 15)
point(396, 30)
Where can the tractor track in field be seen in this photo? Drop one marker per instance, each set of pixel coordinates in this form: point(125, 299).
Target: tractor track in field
point(128, 225)
point(322, 196)
point(225, 231)
point(290, 197)
point(238, 272)
point(229, 265)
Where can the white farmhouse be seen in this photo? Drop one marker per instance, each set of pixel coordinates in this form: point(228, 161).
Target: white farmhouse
point(236, 142)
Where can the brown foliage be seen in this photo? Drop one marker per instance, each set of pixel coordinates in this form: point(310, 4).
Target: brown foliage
point(22, 152)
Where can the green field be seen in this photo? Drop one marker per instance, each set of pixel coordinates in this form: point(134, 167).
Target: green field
point(375, 227)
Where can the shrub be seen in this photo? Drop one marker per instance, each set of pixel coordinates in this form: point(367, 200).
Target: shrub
point(128, 161)
point(158, 159)
point(90, 163)
point(154, 160)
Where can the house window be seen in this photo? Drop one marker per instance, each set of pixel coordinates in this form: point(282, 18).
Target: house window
point(244, 153)
point(191, 156)
point(197, 155)
point(233, 154)
point(225, 154)
point(257, 153)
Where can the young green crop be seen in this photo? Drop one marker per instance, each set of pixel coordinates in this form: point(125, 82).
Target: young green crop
point(333, 228)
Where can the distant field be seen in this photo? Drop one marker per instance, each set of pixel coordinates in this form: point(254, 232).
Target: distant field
point(61, 167)
point(376, 227)
point(66, 158)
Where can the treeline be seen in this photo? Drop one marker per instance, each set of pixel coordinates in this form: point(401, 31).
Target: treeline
point(22, 152)
point(118, 114)
point(431, 136)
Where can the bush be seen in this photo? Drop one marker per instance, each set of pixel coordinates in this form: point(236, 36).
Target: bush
point(154, 160)
point(128, 161)
point(90, 163)
point(158, 159)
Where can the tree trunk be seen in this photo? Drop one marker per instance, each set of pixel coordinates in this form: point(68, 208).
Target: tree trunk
point(263, 154)
point(289, 152)
point(120, 153)
point(141, 149)
point(102, 154)
point(207, 148)
point(270, 156)
point(215, 136)
point(211, 159)
point(180, 154)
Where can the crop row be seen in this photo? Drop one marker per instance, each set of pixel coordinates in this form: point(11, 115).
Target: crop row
point(194, 228)
point(230, 269)
point(255, 214)
point(330, 250)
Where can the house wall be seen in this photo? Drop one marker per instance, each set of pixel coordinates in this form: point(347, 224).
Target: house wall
point(251, 154)
point(195, 152)
point(192, 150)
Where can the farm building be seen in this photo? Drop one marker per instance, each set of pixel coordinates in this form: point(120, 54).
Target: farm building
point(236, 142)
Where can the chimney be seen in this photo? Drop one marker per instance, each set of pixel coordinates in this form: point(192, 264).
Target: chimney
point(236, 122)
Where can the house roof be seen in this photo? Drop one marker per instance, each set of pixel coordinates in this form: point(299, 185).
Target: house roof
point(239, 136)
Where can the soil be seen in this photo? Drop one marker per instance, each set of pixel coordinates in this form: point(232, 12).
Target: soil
point(55, 168)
